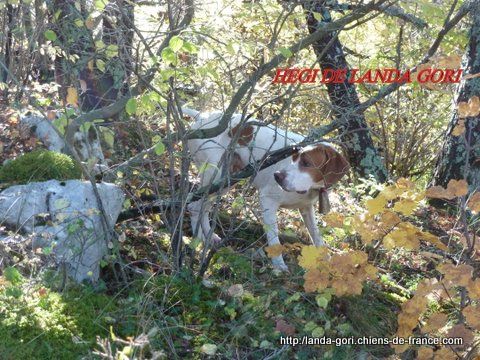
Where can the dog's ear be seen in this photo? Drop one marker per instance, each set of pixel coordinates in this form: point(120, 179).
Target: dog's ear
point(246, 134)
point(335, 166)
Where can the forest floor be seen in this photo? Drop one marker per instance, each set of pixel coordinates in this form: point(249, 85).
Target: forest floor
point(239, 309)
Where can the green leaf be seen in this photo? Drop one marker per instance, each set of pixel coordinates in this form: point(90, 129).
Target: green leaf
point(100, 65)
point(285, 52)
point(318, 332)
point(168, 56)
point(50, 35)
point(317, 16)
point(209, 349)
point(100, 4)
point(108, 136)
point(309, 326)
point(99, 44)
point(85, 126)
point(159, 148)
point(175, 43)
point(111, 51)
point(321, 301)
point(230, 48)
point(189, 47)
point(13, 275)
point(131, 106)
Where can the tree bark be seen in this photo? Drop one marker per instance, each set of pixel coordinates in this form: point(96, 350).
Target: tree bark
point(460, 155)
point(354, 131)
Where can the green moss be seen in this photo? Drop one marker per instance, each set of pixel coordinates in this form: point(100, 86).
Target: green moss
point(36, 323)
point(40, 165)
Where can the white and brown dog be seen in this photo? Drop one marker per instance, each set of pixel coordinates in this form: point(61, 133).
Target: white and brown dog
point(294, 182)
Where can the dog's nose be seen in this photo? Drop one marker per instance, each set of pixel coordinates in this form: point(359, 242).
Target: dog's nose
point(279, 177)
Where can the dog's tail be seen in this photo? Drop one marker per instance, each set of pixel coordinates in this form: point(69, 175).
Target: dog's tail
point(191, 112)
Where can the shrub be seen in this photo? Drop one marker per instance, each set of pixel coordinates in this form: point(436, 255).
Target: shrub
point(40, 165)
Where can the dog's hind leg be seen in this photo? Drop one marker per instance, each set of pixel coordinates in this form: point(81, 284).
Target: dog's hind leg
point(200, 209)
point(200, 220)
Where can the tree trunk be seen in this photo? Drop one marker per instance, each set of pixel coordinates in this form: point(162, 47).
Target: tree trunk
point(8, 49)
point(460, 155)
point(355, 133)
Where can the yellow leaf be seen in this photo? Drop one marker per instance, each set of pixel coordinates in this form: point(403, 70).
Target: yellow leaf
point(474, 202)
point(404, 183)
point(432, 239)
point(474, 106)
point(72, 96)
point(459, 128)
point(463, 109)
point(311, 256)
point(334, 219)
point(472, 315)
point(445, 353)
point(376, 205)
point(425, 353)
point(388, 220)
point(366, 226)
point(457, 187)
point(473, 288)
point(456, 275)
point(460, 331)
point(315, 280)
point(438, 192)
point(404, 235)
point(435, 322)
point(274, 250)
point(391, 192)
point(405, 206)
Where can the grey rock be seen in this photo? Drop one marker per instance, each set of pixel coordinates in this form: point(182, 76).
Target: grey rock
point(65, 217)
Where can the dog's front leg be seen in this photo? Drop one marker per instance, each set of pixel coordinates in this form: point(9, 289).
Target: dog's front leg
point(308, 215)
point(269, 213)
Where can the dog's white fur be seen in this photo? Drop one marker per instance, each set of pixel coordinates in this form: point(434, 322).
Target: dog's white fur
point(291, 187)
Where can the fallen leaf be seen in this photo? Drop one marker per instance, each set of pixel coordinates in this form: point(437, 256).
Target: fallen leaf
point(435, 322)
point(334, 219)
point(472, 315)
point(274, 250)
point(425, 353)
point(460, 331)
point(474, 202)
point(235, 290)
point(459, 128)
point(72, 96)
point(457, 187)
point(284, 327)
point(438, 192)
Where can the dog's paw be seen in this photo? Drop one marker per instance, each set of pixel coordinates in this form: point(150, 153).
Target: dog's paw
point(215, 239)
point(279, 265)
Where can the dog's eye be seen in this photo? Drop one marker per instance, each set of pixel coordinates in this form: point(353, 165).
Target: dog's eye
point(304, 162)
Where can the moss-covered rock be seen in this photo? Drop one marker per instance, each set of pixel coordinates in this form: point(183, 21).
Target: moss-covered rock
point(40, 165)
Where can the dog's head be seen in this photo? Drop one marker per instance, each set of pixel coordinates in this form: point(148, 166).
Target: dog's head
point(313, 167)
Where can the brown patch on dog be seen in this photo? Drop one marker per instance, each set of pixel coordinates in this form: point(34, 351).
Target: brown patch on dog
point(324, 163)
point(246, 135)
point(236, 164)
